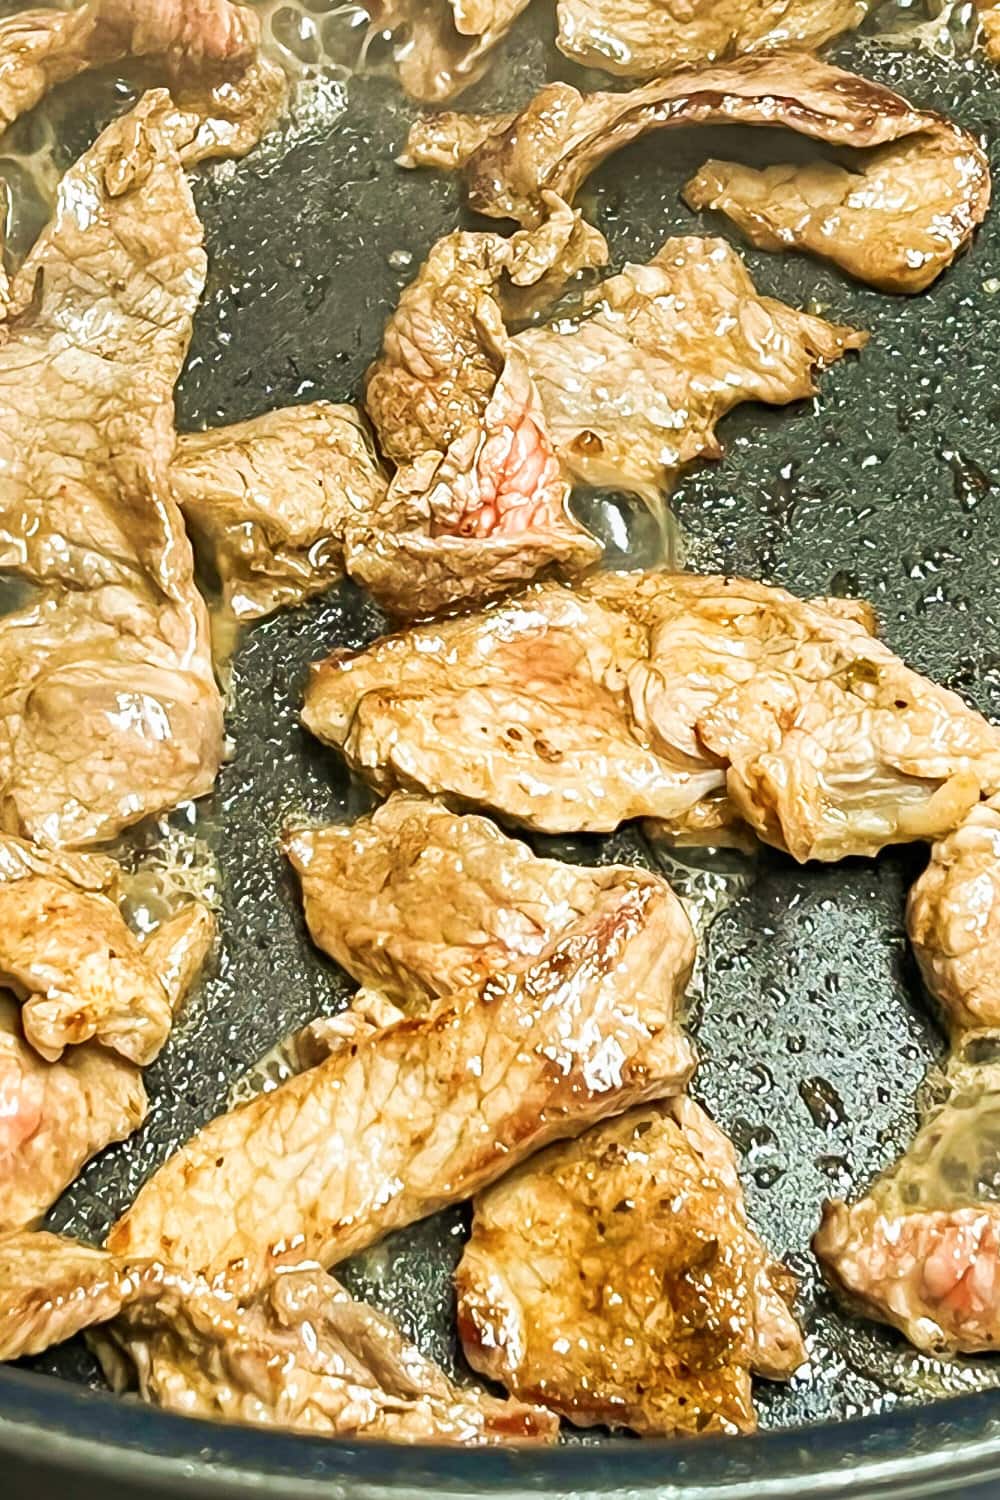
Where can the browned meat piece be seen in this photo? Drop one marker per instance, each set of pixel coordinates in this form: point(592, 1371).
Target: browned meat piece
point(420, 903)
point(896, 221)
point(647, 695)
point(989, 20)
point(636, 38)
point(633, 387)
point(922, 1249)
point(273, 499)
point(615, 1279)
point(209, 49)
point(954, 921)
point(443, 45)
point(478, 501)
point(300, 1355)
point(431, 1109)
point(109, 709)
point(55, 1116)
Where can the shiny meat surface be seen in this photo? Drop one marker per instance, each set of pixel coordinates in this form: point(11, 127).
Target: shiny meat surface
point(300, 1355)
point(615, 1279)
point(419, 903)
point(633, 387)
point(208, 49)
point(272, 499)
point(922, 1249)
point(478, 501)
point(896, 221)
point(636, 38)
point(55, 1116)
point(109, 709)
point(430, 1109)
point(953, 918)
point(989, 20)
point(444, 45)
point(658, 695)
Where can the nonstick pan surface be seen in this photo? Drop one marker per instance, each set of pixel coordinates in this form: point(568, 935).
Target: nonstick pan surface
point(811, 1024)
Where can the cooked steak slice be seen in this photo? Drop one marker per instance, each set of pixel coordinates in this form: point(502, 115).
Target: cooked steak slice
point(636, 38)
point(478, 501)
point(633, 386)
point(54, 1116)
point(208, 49)
point(423, 1113)
point(897, 220)
point(445, 45)
point(301, 1354)
point(615, 1279)
point(989, 20)
point(954, 921)
point(273, 499)
point(109, 709)
point(420, 903)
point(649, 695)
point(922, 1249)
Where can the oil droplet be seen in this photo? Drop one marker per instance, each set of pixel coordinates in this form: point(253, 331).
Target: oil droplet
point(823, 1103)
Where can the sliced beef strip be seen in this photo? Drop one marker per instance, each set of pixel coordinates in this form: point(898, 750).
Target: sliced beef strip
point(109, 709)
point(209, 50)
point(953, 918)
point(921, 1250)
point(301, 1355)
point(615, 1279)
point(660, 695)
point(897, 220)
point(642, 38)
point(443, 46)
point(632, 388)
point(430, 1109)
point(274, 498)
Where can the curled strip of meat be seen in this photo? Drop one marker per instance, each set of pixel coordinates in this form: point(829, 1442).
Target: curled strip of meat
point(209, 49)
point(636, 38)
point(897, 221)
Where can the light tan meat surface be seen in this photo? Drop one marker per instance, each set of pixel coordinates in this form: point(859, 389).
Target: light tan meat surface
point(921, 1250)
point(615, 1279)
point(632, 388)
point(640, 38)
point(425, 1112)
point(953, 918)
point(109, 709)
point(896, 221)
point(274, 498)
point(664, 695)
point(301, 1355)
point(443, 46)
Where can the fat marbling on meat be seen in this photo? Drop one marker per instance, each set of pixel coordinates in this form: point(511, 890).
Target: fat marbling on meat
point(615, 1279)
point(300, 1354)
point(428, 1110)
point(691, 700)
point(636, 38)
point(109, 708)
point(896, 220)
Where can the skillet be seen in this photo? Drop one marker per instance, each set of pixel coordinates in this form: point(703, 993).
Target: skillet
point(813, 1031)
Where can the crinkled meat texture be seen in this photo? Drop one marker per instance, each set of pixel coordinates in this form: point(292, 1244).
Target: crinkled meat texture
point(304, 1356)
point(671, 696)
point(633, 387)
point(615, 1279)
point(421, 903)
point(209, 49)
point(55, 1116)
point(478, 501)
point(109, 709)
point(640, 38)
point(954, 921)
point(989, 20)
point(429, 1110)
point(274, 498)
point(443, 46)
point(922, 1249)
point(896, 221)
